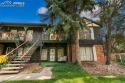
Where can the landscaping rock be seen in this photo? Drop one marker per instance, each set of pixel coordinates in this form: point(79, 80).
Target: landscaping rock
point(100, 69)
point(32, 68)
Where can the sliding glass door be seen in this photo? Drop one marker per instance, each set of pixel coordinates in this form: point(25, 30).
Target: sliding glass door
point(86, 54)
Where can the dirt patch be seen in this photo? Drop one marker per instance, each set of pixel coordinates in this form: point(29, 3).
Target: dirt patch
point(32, 68)
point(100, 69)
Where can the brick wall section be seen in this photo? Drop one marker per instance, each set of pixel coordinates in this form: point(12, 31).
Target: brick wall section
point(73, 54)
point(100, 53)
point(68, 52)
point(1, 49)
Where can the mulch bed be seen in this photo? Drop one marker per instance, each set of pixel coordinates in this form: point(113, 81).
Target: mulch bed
point(31, 68)
point(100, 69)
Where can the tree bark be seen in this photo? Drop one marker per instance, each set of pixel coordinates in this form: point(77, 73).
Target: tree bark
point(108, 47)
point(77, 47)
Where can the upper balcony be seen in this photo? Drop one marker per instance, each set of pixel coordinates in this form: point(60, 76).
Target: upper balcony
point(29, 35)
point(11, 37)
point(90, 36)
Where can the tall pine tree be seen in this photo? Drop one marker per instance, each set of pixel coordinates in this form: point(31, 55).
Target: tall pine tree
point(65, 19)
point(112, 18)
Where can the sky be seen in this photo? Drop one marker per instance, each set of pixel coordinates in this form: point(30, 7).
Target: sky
point(26, 11)
point(21, 10)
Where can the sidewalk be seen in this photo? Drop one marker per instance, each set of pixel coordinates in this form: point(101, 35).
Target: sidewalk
point(46, 73)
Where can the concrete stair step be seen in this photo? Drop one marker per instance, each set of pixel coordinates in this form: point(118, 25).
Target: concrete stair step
point(15, 65)
point(9, 72)
point(24, 56)
point(18, 61)
point(11, 68)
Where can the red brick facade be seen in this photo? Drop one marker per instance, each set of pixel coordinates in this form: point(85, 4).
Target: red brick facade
point(1, 49)
point(99, 53)
point(68, 52)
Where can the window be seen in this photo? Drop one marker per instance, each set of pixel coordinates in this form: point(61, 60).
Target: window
point(29, 35)
point(4, 35)
point(52, 37)
point(44, 54)
point(60, 53)
point(13, 34)
point(86, 33)
point(21, 34)
point(86, 54)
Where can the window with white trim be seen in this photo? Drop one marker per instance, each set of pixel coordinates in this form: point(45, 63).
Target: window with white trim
point(52, 37)
point(86, 54)
point(86, 33)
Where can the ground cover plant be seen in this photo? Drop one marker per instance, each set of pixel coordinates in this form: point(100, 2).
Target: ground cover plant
point(71, 73)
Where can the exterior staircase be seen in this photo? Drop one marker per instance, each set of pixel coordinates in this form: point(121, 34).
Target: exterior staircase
point(15, 65)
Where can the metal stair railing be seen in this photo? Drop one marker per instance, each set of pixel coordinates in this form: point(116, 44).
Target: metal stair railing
point(16, 48)
point(28, 51)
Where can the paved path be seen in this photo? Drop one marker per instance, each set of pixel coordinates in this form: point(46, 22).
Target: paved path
point(44, 74)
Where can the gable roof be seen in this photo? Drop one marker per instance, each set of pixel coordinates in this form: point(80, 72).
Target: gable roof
point(91, 23)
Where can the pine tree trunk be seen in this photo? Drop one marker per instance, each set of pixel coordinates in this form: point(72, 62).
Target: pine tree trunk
point(77, 47)
point(108, 47)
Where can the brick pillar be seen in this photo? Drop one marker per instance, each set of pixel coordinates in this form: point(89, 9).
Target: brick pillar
point(68, 52)
point(1, 49)
point(73, 53)
point(100, 53)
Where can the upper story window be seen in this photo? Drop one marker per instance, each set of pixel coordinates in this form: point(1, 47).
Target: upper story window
point(29, 35)
point(52, 36)
point(21, 34)
point(86, 33)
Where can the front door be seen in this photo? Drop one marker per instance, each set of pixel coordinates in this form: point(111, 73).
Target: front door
point(52, 54)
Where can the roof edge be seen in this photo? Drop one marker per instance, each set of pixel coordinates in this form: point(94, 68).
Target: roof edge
point(92, 21)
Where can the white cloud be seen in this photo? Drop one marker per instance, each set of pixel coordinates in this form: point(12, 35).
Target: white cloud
point(90, 15)
point(86, 14)
point(42, 10)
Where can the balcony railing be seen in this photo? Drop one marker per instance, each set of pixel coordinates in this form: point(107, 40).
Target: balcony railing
point(11, 36)
point(28, 36)
point(44, 36)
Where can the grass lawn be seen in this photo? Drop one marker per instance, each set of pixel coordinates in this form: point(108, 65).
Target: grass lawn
point(71, 73)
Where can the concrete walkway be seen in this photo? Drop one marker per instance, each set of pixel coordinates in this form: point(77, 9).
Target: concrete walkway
point(44, 74)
